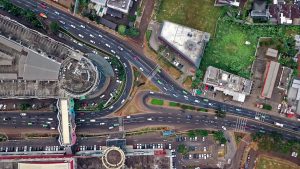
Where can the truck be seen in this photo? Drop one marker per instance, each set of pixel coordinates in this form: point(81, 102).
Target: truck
point(43, 15)
point(278, 124)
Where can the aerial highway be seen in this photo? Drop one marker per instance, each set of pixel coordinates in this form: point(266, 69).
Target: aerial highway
point(172, 91)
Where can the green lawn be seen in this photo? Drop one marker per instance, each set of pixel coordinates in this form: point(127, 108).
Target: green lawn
point(174, 104)
point(198, 14)
point(228, 50)
point(157, 102)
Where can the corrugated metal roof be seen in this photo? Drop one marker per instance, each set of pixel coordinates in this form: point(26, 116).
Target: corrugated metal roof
point(270, 79)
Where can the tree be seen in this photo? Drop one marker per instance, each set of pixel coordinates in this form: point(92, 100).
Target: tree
point(220, 113)
point(132, 18)
point(24, 106)
point(182, 149)
point(122, 29)
point(191, 133)
point(100, 106)
point(219, 136)
point(54, 27)
point(202, 133)
point(132, 32)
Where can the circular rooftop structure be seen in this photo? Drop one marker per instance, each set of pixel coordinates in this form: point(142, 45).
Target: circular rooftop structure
point(78, 77)
point(113, 158)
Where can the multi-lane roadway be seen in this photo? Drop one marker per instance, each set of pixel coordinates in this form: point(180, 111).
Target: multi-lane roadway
point(94, 36)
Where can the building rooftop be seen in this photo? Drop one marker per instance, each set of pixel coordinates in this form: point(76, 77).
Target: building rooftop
point(270, 78)
point(188, 42)
point(37, 165)
point(99, 2)
point(64, 110)
point(285, 78)
point(228, 83)
point(120, 5)
point(272, 52)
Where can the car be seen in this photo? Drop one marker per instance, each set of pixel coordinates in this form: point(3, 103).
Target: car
point(279, 106)
point(92, 41)
point(52, 128)
point(128, 117)
point(92, 120)
point(190, 156)
point(43, 5)
point(111, 127)
point(6, 118)
point(82, 120)
point(72, 26)
point(112, 51)
point(151, 92)
point(80, 35)
point(120, 48)
point(57, 13)
point(62, 22)
point(80, 44)
point(210, 104)
point(50, 118)
point(238, 109)
point(203, 139)
point(223, 127)
point(102, 96)
point(4, 107)
point(111, 107)
point(1, 105)
point(101, 124)
point(149, 119)
point(107, 45)
point(23, 114)
point(141, 69)
point(92, 36)
point(204, 149)
point(170, 146)
point(185, 97)
point(82, 26)
point(197, 101)
point(95, 52)
point(175, 95)
point(122, 101)
point(189, 117)
point(100, 36)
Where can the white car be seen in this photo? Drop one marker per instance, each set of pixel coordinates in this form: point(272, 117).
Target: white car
point(80, 35)
point(57, 13)
point(92, 41)
point(100, 36)
point(223, 127)
point(122, 101)
point(204, 149)
point(82, 26)
point(73, 26)
point(101, 124)
point(128, 117)
point(92, 35)
point(111, 107)
point(80, 44)
point(279, 106)
point(107, 45)
point(149, 119)
point(186, 98)
point(141, 69)
point(62, 22)
point(197, 101)
point(112, 51)
point(23, 114)
point(95, 52)
point(82, 120)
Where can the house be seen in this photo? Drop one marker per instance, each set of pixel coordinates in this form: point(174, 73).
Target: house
point(283, 13)
point(230, 84)
point(227, 2)
point(260, 10)
point(120, 5)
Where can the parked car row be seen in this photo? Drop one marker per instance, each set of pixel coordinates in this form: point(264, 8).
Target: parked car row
point(89, 148)
point(197, 156)
point(31, 148)
point(153, 146)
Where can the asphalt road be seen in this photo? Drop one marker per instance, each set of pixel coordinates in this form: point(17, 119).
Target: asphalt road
point(172, 90)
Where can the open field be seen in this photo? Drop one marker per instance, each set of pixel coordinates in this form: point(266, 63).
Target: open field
point(265, 162)
point(233, 48)
point(192, 13)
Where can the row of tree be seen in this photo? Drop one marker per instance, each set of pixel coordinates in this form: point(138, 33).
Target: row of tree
point(131, 32)
point(27, 14)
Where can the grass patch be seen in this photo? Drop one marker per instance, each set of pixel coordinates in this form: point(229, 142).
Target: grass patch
point(228, 50)
point(158, 102)
point(148, 35)
point(268, 162)
point(174, 104)
point(202, 16)
point(202, 109)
